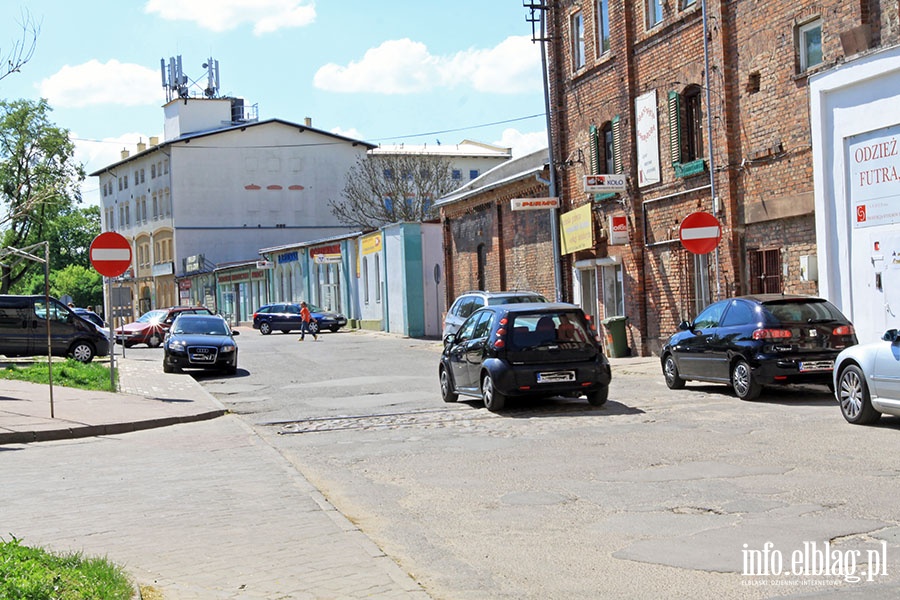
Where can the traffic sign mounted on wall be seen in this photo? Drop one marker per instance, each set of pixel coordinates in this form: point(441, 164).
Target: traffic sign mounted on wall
point(700, 232)
point(110, 254)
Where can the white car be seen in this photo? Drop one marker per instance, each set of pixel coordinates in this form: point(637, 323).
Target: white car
point(867, 379)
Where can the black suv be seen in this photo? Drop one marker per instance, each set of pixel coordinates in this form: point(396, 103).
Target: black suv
point(467, 303)
point(530, 349)
point(752, 341)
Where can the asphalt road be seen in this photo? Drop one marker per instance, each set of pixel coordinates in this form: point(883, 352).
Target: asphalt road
point(660, 493)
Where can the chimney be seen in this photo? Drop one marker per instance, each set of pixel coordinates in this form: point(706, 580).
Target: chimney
point(141, 146)
point(307, 121)
point(154, 140)
point(125, 153)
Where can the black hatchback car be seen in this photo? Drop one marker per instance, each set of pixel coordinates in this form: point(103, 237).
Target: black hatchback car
point(518, 350)
point(752, 341)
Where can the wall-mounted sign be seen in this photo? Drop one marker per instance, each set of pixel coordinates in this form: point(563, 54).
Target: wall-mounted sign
point(598, 184)
point(534, 203)
point(576, 230)
point(618, 230)
point(265, 264)
point(647, 130)
point(371, 243)
point(288, 257)
point(326, 259)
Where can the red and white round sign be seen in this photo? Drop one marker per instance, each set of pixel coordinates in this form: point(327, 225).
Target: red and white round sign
point(700, 232)
point(111, 254)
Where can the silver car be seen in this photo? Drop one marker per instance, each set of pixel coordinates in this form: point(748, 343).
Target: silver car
point(467, 303)
point(867, 379)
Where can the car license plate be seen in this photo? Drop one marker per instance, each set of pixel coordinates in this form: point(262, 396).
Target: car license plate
point(555, 376)
point(817, 365)
point(202, 357)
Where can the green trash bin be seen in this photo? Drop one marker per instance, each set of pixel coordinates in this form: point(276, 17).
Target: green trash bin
point(616, 340)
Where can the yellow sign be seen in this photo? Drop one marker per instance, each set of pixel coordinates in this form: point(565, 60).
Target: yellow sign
point(371, 243)
point(576, 230)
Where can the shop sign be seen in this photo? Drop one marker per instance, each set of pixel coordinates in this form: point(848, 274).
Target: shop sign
point(618, 230)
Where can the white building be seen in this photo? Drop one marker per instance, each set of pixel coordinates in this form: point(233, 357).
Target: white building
point(217, 189)
point(856, 172)
point(468, 159)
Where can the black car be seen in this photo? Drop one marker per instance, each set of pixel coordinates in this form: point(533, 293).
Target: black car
point(200, 342)
point(521, 350)
point(285, 317)
point(25, 322)
point(752, 341)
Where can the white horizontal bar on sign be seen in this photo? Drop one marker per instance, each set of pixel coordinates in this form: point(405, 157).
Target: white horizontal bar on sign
point(110, 254)
point(699, 233)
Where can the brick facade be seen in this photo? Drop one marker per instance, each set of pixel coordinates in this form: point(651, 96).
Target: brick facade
point(755, 112)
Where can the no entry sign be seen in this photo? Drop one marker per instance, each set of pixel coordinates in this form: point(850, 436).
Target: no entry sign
point(110, 254)
point(700, 233)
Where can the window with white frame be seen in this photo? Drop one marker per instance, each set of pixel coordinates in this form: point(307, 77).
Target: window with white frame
point(377, 278)
point(602, 26)
point(576, 27)
point(613, 291)
point(654, 10)
point(809, 42)
point(688, 3)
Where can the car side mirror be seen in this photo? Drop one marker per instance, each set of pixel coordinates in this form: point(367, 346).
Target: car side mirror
point(450, 338)
point(235, 332)
point(891, 336)
point(685, 326)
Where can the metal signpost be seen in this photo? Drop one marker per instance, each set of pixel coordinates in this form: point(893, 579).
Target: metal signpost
point(111, 256)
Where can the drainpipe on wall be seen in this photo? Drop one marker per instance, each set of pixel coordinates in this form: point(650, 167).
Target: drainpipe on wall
point(712, 170)
point(554, 213)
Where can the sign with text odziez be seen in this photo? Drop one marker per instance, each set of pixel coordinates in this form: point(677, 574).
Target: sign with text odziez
point(873, 160)
point(598, 184)
point(618, 230)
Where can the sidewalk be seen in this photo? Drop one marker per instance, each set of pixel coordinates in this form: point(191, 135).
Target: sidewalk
point(203, 509)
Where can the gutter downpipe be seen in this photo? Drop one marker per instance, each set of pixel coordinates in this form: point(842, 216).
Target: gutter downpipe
point(712, 170)
point(554, 213)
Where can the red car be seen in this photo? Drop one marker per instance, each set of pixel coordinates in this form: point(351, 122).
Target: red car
point(151, 328)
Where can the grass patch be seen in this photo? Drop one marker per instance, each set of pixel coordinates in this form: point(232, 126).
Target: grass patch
point(35, 574)
point(68, 373)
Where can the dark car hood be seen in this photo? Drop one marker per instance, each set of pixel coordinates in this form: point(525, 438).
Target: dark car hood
point(200, 339)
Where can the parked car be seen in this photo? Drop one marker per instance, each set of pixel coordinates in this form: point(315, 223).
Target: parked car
point(468, 303)
point(752, 341)
point(520, 350)
point(23, 329)
point(285, 317)
point(97, 320)
point(151, 327)
point(200, 341)
point(867, 379)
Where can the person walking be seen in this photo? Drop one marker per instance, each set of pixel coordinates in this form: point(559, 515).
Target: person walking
point(305, 318)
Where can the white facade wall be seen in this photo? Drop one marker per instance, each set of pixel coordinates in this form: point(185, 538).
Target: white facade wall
point(856, 156)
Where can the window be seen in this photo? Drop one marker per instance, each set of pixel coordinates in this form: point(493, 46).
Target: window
point(365, 274)
point(738, 314)
point(377, 278)
point(809, 40)
point(602, 26)
point(654, 12)
point(765, 271)
point(153, 171)
point(388, 174)
point(577, 30)
point(457, 175)
point(686, 131)
point(613, 290)
point(605, 148)
point(710, 317)
point(687, 3)
point(473, 174)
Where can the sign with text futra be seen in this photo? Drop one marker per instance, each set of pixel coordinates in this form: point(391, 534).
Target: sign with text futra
point(873, 160)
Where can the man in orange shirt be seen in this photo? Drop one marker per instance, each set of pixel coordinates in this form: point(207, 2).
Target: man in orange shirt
point(304, 325)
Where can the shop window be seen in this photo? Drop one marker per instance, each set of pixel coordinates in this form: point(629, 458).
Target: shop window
point(613, 290)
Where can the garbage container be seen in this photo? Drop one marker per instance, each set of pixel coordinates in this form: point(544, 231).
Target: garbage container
point(616, 340)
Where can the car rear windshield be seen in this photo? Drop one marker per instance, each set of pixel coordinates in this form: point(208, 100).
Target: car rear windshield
point(532, 330)
point(804, 311)
point(516, 299)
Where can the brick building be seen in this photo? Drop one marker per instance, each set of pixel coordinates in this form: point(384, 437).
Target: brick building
point(716, 123)
point(489, 246)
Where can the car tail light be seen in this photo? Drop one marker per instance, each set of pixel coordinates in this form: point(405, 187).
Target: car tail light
point(771, 334)
point(500, 339)
point(843, 330)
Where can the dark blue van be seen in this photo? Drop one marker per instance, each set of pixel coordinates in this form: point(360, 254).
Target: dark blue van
point(26, 320)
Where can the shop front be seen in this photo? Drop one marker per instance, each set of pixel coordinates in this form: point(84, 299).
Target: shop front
point(241, 289)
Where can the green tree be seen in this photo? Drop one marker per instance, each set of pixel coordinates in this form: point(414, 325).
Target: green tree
point(392, 188)
point(38, 179)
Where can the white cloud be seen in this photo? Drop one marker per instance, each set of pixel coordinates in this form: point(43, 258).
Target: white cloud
point(350, 133)
point(94, 82)
point(406, 67)
point(223, 15)
point(522, 143)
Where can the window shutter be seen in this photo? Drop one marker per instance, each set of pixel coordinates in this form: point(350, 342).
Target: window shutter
point(617, 143)
point(675, 127)
point(594, 151)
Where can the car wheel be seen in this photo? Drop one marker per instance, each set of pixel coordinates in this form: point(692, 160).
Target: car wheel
point(334, 328)
point(599, 396)
point(743, 383)
point(265, 328)
point(447, 391)
point(83, 352)
point(853, 394)
point(670, 370)
point(493, 399)
point(154, 341)
point(314, 327)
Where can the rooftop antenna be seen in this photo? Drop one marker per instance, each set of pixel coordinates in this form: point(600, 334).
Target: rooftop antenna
point(177, 83)
point(212, 77)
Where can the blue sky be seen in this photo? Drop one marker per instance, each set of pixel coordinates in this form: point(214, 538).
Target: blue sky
point(395, 71)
